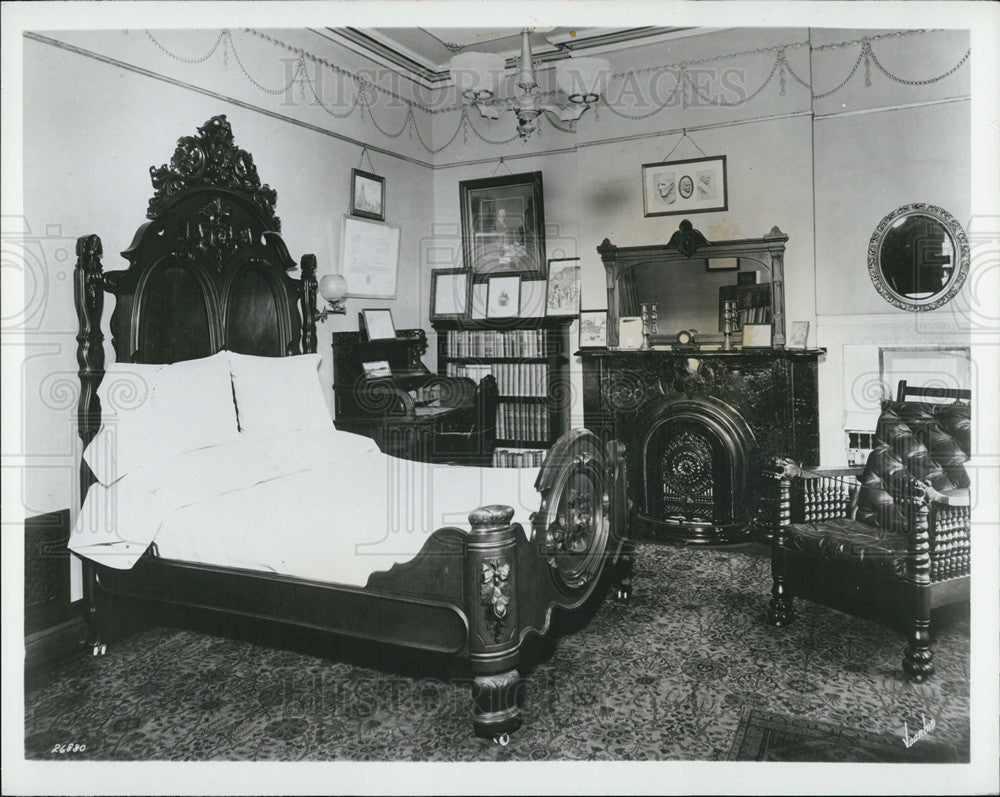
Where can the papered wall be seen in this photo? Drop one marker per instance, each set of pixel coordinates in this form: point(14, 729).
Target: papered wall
point(823, 164)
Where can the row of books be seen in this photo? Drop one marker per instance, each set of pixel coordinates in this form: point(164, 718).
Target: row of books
point(522, 422)
point(755, 315)
point(497, 343)
point(513, 379)
point(753, 301)
point(518, 457)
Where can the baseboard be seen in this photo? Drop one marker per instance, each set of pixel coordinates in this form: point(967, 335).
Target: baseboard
point(55, 643)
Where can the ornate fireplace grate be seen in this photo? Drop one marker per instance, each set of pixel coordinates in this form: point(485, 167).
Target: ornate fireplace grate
point(688, 472)
point(694, 456)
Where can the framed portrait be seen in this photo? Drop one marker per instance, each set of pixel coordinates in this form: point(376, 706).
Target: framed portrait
point(593, 329)
point(562, 294)
point(503, 296)
point(696, 185)
point(503, 225)
point(378, 324)
point(369, 258)
point(367, 195)
point(449, 293)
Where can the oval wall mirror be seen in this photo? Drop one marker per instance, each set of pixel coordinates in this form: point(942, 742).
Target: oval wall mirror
point(918, 257)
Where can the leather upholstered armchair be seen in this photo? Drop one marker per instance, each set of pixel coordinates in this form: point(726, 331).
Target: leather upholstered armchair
point(896, 543)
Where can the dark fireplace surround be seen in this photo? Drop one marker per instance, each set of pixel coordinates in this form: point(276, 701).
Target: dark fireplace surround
point(698, 422)
point(697, 426)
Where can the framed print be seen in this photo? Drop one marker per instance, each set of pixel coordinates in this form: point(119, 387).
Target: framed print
point(377, 369)
point(503, 296)
point(378, 324)
point(449, 293)
point(503, 226)
point(369, 258)
point(756, 336)
point(367, 195)
point(799, 336)
point(562, 296)
point(593, 329)
point(696, 185)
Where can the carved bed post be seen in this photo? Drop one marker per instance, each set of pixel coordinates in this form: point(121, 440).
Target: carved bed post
point(308, 304)
point(494, 638)
point(88, 297)
point(777, 506)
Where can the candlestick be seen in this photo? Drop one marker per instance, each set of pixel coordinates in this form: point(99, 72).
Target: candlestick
point(729, 316)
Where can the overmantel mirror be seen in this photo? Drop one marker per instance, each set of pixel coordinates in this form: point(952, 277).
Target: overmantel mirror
point(918, 257)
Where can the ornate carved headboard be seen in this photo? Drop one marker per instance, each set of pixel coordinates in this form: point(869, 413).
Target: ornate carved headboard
point(208, 271)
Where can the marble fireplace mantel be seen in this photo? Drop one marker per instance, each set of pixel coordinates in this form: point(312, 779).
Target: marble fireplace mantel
point(697, 425)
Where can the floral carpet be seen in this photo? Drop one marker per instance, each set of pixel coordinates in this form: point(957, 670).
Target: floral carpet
point(669, 676)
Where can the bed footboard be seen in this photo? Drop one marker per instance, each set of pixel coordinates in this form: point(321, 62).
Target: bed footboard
point(513, 583)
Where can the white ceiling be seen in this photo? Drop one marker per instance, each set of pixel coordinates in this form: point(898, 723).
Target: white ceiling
point(423, 53)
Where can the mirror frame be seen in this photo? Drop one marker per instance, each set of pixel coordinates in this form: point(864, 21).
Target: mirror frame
point(958, 239)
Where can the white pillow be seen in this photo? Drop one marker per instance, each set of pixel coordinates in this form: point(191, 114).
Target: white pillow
point(154, 411)
point(278, 394)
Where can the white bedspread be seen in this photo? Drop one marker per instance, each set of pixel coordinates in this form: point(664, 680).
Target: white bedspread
point(316, 503)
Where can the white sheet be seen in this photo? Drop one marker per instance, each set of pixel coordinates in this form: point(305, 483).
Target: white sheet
point(315, 504)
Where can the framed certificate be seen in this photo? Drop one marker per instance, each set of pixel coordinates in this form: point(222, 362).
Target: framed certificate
point(369, 258)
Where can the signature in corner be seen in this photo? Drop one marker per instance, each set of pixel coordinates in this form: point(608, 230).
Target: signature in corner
point(926, 728)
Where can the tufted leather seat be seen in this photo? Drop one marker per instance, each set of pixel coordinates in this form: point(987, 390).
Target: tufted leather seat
point(902, 529)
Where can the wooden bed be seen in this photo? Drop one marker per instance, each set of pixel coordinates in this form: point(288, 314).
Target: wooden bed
point(209, 271)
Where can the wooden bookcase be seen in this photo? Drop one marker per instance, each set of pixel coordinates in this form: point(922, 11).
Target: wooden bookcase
point(529, 357)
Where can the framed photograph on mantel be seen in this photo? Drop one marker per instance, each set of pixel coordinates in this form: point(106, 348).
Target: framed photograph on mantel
point(367, 195)
point(695, 185)
point(593, 329)
point(503, 225)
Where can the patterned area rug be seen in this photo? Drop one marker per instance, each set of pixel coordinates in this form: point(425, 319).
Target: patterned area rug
point(668, 676)
point(763, 736)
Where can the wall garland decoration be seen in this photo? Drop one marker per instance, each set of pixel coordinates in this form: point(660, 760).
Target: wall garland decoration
point(366, 92)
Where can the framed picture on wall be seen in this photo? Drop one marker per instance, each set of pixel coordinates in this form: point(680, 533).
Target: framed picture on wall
point(695, 185)
point(449, 293)
point(369, 258)
point(503, 225)
point(367, 195)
